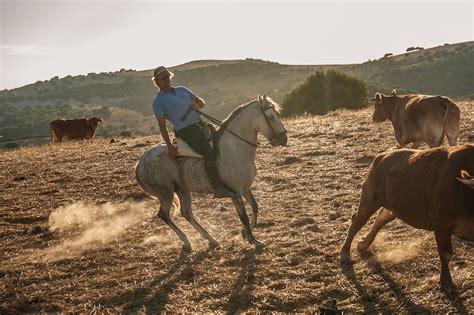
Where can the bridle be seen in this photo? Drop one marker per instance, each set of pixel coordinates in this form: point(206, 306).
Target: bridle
point(275, 134)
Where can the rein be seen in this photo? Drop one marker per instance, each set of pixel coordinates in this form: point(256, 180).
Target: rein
point(219, 123)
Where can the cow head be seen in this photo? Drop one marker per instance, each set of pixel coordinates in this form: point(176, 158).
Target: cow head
point(466, 179)
point(381, 106)
point(94, 122)
point(380, 114)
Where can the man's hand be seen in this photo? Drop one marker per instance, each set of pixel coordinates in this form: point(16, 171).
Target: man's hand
point(197, 103)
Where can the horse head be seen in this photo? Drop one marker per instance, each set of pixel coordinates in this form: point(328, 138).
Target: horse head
point(271, 126)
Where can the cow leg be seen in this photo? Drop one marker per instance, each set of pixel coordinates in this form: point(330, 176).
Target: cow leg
point(367, 207)
point(383, 217)
point(185, 200)
point(452, 137)
point(246, 231)
point(445, 251)
point(434, 142)
point(164, 214)
point(452, 125)
point(416, 144)
point(398, 136)
point(253, 204)
point(452, 140)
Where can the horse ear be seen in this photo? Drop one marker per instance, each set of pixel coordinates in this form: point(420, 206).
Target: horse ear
point(264, 96)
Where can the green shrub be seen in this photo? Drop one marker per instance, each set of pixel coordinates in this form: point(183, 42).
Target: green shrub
point(11, 145)
point(326, 91)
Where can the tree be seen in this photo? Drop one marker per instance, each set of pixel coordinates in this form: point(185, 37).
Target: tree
point(325, 91)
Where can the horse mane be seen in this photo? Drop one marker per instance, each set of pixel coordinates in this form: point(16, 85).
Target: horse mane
point(231, 117)
point(277, 107)
point(236, 111)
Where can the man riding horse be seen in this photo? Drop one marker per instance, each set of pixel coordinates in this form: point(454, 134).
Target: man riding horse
point(174, 104)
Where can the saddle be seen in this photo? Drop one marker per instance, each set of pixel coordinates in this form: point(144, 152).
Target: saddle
point(185, 151)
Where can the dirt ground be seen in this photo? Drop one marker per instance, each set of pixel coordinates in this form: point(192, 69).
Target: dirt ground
point(78, 234)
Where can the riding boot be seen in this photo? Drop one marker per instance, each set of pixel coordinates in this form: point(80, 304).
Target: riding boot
point(221, 190)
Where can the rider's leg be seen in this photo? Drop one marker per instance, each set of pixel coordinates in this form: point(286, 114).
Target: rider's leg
point(195, 138)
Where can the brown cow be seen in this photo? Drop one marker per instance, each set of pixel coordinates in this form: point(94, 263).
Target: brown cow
point(422, 189)
point(73, 128)
point(419, 118)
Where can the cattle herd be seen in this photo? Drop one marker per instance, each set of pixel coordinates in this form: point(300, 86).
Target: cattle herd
point(427, 189)
point(431, 189)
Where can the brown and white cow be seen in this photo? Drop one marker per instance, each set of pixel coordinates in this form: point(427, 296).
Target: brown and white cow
point(427, 189)
point(73, 128)
point(419, 118)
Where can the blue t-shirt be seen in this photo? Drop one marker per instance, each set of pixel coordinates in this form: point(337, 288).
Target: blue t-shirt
point(173, 105)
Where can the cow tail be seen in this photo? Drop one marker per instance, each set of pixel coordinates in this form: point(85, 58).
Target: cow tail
point(444, 103)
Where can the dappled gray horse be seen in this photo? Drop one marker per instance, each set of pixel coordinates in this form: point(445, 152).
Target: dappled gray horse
point(161, 177)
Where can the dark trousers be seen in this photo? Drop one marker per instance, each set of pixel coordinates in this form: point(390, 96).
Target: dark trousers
point(196, 139)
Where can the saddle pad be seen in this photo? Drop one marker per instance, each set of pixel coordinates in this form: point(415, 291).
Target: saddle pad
point(185, 150)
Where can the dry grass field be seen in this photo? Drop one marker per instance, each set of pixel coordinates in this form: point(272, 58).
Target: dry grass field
point(78, 234)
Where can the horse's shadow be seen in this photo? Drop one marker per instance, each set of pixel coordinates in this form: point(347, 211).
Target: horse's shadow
point(154, 296)
point(241, 297)
point(370, 300)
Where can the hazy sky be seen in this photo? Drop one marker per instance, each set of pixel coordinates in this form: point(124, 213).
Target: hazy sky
point(43, 38)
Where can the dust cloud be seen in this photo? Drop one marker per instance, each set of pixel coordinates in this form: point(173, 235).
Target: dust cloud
point(402, 250)
point(83, 227)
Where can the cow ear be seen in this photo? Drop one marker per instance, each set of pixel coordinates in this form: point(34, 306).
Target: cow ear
point(465, 175)
point(393, 93)
point(378, 96)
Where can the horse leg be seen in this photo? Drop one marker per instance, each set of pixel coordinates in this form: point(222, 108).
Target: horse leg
point(367, 207)
point(164, 214)
point(246, 231)
point(253, 204)
point(185, 199)
point(383, 217)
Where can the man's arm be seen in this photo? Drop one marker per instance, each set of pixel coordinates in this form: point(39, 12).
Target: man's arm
point(166, 137)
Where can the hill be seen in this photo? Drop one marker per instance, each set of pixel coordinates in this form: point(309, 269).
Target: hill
point(225, 84)
point(109, 254)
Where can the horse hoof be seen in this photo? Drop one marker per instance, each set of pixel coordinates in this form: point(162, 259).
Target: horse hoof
point(259, 246)
point(186, 248)
point(447, 286)
point(214, 245)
